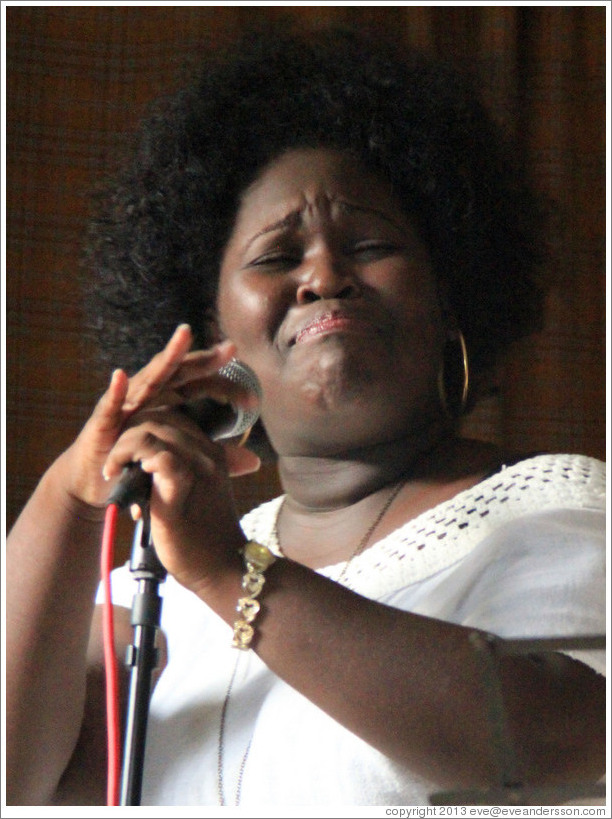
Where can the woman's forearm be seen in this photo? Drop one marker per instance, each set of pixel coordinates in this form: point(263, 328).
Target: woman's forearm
point(414, 686)
point(52, 574)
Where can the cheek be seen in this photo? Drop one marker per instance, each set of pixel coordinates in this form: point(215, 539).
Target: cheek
point(240, 310)
point(250, 316)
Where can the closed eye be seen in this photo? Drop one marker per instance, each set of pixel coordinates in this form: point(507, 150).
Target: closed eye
point(373, 249)
point(276, 260)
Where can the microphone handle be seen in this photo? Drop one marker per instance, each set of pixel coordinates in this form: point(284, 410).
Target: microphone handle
point(134, 486)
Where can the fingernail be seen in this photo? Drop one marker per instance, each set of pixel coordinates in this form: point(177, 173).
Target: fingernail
point(135, 511)
point(114, 376)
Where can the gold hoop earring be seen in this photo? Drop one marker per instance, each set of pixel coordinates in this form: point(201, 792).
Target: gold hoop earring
point(453, 381)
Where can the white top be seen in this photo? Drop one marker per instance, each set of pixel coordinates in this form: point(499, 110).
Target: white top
point(522, 554)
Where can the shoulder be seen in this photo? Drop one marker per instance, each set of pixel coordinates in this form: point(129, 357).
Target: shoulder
point(518, 507)
point(515, 492)
point(548, 481)
point(556, 506)
point(546, 542)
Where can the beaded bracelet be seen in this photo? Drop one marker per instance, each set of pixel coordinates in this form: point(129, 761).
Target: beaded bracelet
point(257, 558)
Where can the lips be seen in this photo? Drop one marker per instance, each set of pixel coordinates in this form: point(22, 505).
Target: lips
point(328, 323)
point(331, 321)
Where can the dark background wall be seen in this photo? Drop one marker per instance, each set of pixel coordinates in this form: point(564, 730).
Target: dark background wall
point(77, 81)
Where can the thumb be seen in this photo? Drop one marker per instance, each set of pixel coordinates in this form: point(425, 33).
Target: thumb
point(83, 461)
point(108, 416)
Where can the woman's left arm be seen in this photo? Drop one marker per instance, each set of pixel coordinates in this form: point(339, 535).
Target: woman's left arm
point(413, 686)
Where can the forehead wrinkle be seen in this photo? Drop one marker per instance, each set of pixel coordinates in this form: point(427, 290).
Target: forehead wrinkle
point(295, 217)
point(353, 206)
point(291, 220)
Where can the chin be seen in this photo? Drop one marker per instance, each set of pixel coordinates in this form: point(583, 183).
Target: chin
point(336, 376)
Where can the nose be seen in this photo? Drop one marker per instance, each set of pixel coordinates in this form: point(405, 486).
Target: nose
point(326, 277)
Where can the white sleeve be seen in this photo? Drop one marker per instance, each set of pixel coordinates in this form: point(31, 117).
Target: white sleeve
point(540, 576)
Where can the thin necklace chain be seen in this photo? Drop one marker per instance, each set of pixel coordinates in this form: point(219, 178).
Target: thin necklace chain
point(366, 538)
point(223, 720)
point(221, 746)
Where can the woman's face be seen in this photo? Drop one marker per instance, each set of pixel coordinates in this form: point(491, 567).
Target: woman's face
point(328, 293)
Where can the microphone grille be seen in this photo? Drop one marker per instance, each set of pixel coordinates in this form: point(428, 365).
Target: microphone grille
point(241, 374)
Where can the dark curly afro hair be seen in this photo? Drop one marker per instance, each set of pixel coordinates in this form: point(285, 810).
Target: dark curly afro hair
point(155, 247)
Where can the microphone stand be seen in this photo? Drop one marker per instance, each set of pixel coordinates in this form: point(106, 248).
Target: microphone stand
point(142, 656)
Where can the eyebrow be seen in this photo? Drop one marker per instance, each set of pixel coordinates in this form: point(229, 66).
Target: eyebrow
point(292, 219)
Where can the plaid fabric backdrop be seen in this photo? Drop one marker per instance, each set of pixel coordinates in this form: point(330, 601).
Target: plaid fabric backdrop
point(78, 79)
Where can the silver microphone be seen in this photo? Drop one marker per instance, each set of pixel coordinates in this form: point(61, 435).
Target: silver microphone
point(225, 420)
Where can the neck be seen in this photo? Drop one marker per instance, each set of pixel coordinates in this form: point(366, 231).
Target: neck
point(331, 482)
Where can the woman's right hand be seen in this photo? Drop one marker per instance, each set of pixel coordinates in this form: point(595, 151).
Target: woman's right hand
point(159, 382)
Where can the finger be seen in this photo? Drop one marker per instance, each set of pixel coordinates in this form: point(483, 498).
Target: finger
point(158, 382)
point(108, 415)
point(166, 420)
point(240, 461)
point(157, 373)
point(135, 511)
point(219, 388)
point(97, 438)
point(177, 473)
point(200, 364)
point(154, 431)
point(148, 380)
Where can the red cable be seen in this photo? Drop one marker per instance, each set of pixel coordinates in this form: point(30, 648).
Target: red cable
point(110, 658)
